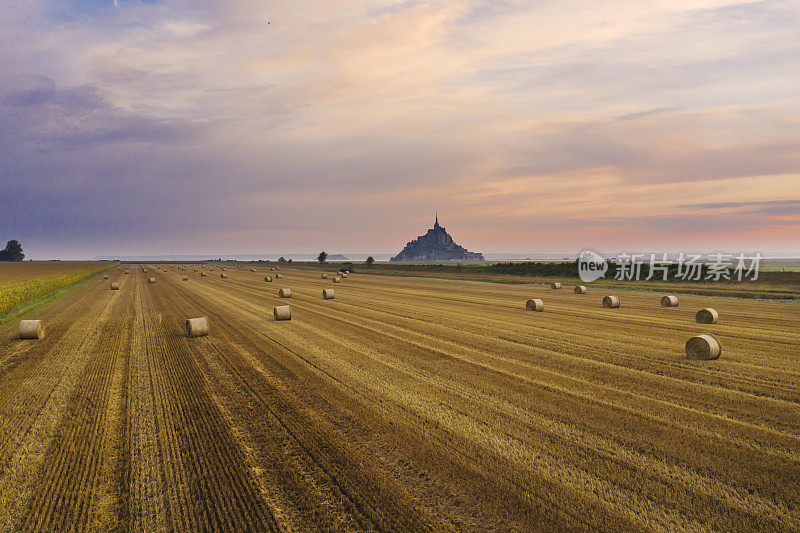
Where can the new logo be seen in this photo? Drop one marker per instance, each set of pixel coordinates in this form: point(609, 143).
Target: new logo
point(591, 266)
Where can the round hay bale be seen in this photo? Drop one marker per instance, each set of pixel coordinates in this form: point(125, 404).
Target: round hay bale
point(31, 329)
point(328, 294)
point(151, 280)
point(252, 270)
point(282, 312)
point(555, 286)
point(337, 279)
point(184, 278)
point(127, 271)
point(165, 270)
point(703, 347)
point(278, 276)
point(267, 278)
point(324, 276)
point(534, 304)
point(346, 271)
point(344, 274)
point(196, 327)
point(277, 268)
point(707, 316)
point(612, 302)
point(285, 293)
point(272, 269)
point(669, 301)
point(202, 274)
point(105, 276)
point(223, 268)
point(115, 286)
point(223, 275)
point(580, 289)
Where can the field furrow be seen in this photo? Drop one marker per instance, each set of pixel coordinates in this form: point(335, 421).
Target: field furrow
point(404, 404)
point(36, 419)
point(508, 385)
point(85, 449)
point(206, 476)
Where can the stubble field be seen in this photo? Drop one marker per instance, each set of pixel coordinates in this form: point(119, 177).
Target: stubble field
point(402, 404)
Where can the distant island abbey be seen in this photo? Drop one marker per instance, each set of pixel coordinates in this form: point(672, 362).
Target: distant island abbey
point(436, 245)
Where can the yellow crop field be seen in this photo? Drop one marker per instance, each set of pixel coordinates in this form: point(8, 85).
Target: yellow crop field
point(402, 404)
point(23, 281)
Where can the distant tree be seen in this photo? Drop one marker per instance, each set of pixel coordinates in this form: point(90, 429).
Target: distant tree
point(370, 260)
point(12, 252)
point(290, 260)
point(323, 256)
point(281, 259)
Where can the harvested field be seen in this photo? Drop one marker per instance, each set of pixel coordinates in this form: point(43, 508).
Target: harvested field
point(404, 404)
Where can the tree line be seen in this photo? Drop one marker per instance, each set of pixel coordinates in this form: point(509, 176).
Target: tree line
point(12, 251)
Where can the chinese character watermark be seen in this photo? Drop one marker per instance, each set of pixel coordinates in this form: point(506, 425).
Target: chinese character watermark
point(684, 267)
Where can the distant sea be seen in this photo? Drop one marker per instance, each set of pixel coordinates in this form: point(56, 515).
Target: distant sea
point(313, 257)
point(491, 257)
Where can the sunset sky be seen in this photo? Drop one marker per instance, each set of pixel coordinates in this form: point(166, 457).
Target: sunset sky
point(531, 127)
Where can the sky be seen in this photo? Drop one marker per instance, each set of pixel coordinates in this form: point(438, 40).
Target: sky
point(194, 127)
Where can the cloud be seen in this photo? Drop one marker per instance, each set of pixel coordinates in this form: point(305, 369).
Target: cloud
point(346, 124)
point(49, 117)
point(769, 207)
